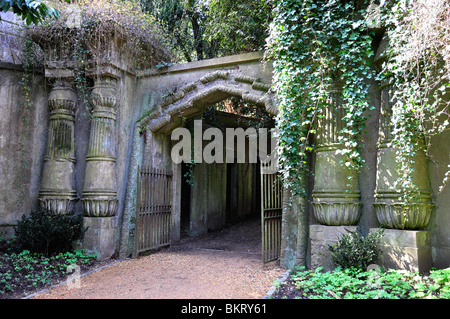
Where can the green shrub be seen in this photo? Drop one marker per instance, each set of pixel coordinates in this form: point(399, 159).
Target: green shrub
point(49, 233)
point(351, 283)
point(353, 250)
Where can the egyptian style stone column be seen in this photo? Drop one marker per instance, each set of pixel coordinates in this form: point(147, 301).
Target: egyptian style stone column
point(336, 196)
point(100, 185)
point(390, 212)
point(58, 192)
point(403, 245)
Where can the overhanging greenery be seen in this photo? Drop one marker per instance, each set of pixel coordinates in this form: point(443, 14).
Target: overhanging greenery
point(319, 48)
point(316, 44)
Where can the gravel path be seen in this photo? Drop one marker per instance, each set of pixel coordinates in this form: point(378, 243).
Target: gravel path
point(224, 264)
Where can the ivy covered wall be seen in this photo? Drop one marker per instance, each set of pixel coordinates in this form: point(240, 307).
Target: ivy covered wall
point(363, 88)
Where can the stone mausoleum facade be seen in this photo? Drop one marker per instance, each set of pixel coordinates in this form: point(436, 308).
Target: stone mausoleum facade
point(58, 155)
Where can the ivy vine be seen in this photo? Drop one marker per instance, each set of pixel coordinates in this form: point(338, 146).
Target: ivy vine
point(314, 45)
point(418, 69)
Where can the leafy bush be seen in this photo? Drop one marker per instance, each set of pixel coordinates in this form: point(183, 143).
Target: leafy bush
point(352, 283)
point(22, 272)
point(49, 233)
point(353, 250)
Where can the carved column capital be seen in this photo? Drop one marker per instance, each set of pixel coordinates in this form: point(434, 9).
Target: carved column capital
point(62, 98)
point(103, 96)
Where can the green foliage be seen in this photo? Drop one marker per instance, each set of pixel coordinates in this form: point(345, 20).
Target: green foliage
point(32, 11)
point(351, 283)
point(237, 26)
point(417, 67)
point(49, 233)
point(22, 271)
point(88, 28)
point(355, 251)
point(205, 29)
point(321, 51)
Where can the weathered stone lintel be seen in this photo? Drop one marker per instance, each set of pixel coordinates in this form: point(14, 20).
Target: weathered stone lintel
point(221, 62)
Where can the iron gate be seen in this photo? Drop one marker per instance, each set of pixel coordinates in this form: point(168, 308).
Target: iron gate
point(153, 209)
point(271, 214)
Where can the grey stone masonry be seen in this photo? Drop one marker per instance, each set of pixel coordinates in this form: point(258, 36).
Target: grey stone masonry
point(100, 236)
point(322, 237)
point(406, 250)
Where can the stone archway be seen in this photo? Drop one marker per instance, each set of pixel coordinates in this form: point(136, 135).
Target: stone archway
point(207, 86)
point(190, 99)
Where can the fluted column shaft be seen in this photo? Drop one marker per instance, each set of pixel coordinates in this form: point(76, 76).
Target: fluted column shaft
point(58, 192)
point(336, 196)
point(391, 213)
point(100, 185)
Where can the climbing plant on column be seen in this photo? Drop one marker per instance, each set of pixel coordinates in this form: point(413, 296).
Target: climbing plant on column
point(418, 69)
point(314, 45)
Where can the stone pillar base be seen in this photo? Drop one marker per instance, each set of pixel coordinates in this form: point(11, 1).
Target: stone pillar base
point(321, 238)
point(406, 250)
point(100, 237)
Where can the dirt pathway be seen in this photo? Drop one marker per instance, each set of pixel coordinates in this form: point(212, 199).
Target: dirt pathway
point(224, 264)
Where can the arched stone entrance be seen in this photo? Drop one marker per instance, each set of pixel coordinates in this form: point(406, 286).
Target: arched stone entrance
point(171, 96)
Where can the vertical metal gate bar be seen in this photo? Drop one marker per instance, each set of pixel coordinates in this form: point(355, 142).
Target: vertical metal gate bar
point(154, 229)
point(148, 243)
point(157, 209)
point(138, 205)
point(270, 195)
point(166, 219)
point(263, 205)
point(151, 199)
point(148, 207)
point(144, 209)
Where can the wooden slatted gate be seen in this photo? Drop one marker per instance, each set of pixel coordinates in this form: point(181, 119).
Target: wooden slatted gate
point(153, 209)
point(271, 214)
